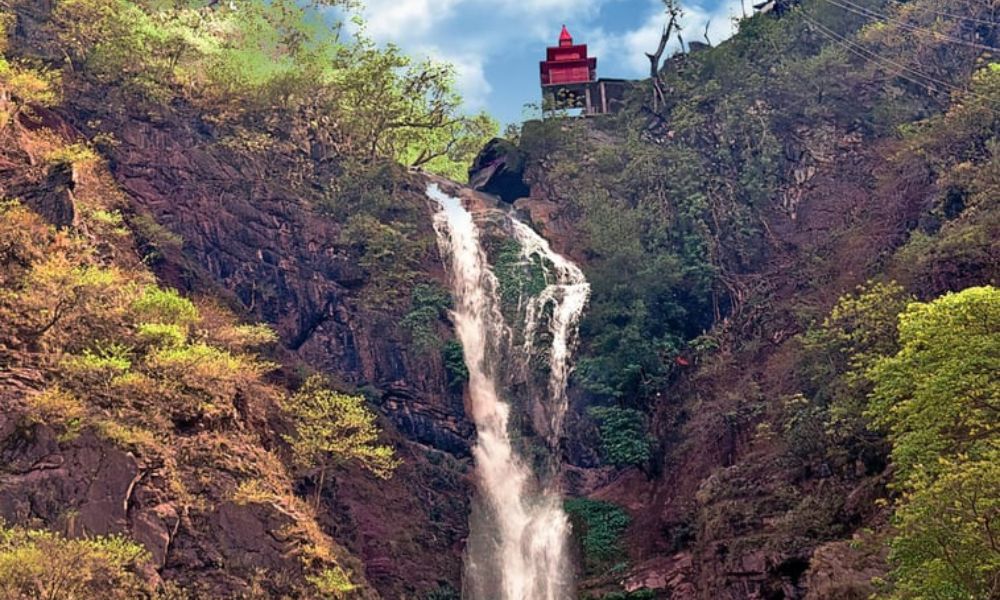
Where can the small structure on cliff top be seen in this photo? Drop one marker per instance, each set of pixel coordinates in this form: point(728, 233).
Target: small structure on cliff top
point(569, 80)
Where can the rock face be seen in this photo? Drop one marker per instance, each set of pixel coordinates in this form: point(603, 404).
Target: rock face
point(247, 232)
point(499, 170)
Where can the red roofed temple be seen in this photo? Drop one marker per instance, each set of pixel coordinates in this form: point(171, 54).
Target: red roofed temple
point(568, 63)
point(569, 80)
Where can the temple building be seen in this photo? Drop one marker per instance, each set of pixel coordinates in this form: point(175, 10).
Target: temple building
point(569, 80)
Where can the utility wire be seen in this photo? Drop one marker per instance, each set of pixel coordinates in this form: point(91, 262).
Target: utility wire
point(931, 11)
point(864, 53)
point(866, 12)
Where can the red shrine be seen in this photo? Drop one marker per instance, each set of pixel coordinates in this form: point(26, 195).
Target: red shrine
point(568, 63)
point(569, 80)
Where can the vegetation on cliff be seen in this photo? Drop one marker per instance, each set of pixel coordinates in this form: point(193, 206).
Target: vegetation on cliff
point(793, 331)
point(720, 228)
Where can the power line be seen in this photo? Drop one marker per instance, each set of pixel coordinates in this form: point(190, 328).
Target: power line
point(931, 11)
point(866, 12)
point(859, 50)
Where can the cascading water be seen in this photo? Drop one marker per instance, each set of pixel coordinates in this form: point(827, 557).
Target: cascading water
point(518, 540)
point(568, 291)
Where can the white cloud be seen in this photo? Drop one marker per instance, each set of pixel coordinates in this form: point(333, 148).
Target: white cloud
point(469, 33)
point(404, 20)
point(624, 54)
point(470, 75)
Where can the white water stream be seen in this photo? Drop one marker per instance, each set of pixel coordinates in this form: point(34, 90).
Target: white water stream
point(518, 540)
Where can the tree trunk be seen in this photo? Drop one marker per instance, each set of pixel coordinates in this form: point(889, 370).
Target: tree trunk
point(319, 487)
point(655, 57)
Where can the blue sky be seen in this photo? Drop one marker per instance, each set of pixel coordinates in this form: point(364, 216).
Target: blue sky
point(495, 45)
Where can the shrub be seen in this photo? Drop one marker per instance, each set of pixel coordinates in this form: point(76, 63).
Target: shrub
point(428, 303)
point(623, 435)
point(332, 428)
point(332, 583)
point(238, 338)
point(599, 527)
point(59, 409)
point(518, 278)
point(162, 334)
point(254, 491)
point(101, 364)
point(454, 365)
point(71, 154)
point(42, 564)
point(158, 305)
point(128, 437)
point(27, 85)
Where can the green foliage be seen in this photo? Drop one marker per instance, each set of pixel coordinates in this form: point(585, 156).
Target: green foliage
point(428, 304)
point(454, 364)
point(390, 256)
point(254, 56)
point(26, 86)
point(41, 564)
point(827, 423)
point(162, 334)
point(955, 247)
point(334, 428)
point(937, 398)
point(332, 583)
point(519, 279)
point(155, 240)
point(599, 527)
point(165, 306)
point(71, 154)
point(59, 409)
point(945, 545)
point(623, 435)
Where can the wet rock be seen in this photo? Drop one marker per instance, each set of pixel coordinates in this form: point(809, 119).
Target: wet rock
point(499, 170)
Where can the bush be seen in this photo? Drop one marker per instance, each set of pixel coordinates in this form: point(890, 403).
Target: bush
point(332, 583)
point(623, 435)
point(166, 306)
point(59, 409)
point(333, 428)
point(42, 564)
point(428, 304)
point(454, 365)
point(599, 527)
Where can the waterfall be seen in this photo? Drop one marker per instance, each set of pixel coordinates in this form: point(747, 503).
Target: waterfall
point(518, 532)
point(567, 289)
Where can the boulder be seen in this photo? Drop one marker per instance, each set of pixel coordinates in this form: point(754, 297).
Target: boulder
point(499, 170)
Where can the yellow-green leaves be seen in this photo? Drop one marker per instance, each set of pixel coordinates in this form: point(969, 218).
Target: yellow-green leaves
point(42, 564)
point(331, 427)
point(938, 398)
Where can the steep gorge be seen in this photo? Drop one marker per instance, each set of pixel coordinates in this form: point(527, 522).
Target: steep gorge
point(806, 196)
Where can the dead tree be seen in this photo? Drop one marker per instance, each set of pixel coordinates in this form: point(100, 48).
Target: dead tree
point(674, 13)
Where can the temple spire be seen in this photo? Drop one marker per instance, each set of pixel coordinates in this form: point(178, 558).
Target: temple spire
point(565, 39)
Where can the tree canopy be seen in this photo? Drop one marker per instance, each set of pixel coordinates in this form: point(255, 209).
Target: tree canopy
point(938, 398)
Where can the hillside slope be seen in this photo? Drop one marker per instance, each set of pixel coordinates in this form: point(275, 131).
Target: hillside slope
point(790, 165)
point(721, 444)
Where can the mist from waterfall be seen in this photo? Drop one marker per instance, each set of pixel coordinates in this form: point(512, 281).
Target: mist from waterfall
point(519, 534)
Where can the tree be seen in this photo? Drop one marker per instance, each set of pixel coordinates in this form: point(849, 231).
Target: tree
point(393, 106)
point(938, 398)
point(44, 565)
point(333, 428)
point(674, 12)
